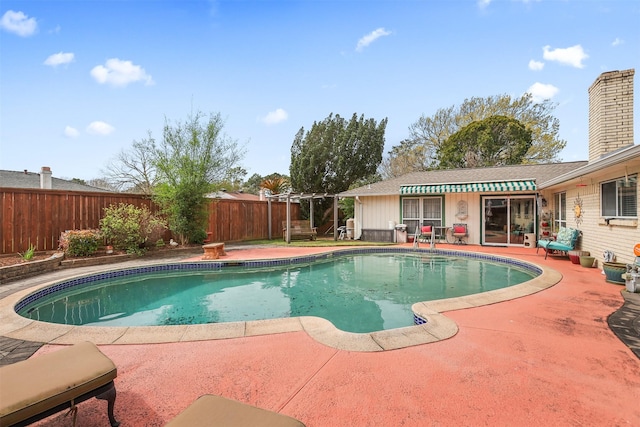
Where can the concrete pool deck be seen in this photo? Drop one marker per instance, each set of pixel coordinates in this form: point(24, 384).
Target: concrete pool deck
point(546, 359)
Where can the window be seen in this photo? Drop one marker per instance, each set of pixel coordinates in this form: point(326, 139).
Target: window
point(560, 211)
point(411, 214)
point(618, 198)
point(421, 211)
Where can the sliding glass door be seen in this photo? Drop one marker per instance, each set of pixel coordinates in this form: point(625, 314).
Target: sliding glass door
point(507, 219)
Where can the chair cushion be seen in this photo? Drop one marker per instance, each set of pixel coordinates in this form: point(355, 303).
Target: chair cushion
point(210, 410)
point(568, 237)
point(40, 383)
point(564, 236)
point(459, 229)
point(558, 246)
point(426, 229)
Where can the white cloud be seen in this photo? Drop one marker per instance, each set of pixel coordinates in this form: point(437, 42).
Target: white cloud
point(371, 37)
point(18, 23)
point(100, 128)
point(483, 3)
point(617, 42)
point(541, 91)
point(120, 73)
point(275, 117)
point(71, 132)
point(573, 55)
point(59, 59)
point(536, 65)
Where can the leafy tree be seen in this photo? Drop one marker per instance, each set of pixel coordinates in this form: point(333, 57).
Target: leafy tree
point(276, 185)
point(194, 155)
point(335, 153)
point(254, 183)
point(494, 141)
point(432, 132)
point(134, 170)
point(332, 155)
point(234, 178)
point(409, 156)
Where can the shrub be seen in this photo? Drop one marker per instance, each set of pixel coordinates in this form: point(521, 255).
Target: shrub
point(128, 227)
point(29, 253)
point(80, 242)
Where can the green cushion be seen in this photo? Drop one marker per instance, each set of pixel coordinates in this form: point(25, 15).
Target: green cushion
point(564, 236)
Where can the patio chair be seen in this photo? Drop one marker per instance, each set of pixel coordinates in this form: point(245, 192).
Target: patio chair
point(209, 410)
point(460, 232)
point(565, 241)
point(426, 234)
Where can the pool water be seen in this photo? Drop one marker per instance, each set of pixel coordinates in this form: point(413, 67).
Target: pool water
point(357, 293)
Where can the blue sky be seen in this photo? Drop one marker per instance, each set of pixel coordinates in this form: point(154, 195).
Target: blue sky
point(81, 80)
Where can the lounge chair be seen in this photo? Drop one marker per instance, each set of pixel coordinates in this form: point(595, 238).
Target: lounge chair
point(565, 242)
point(38, 387)
point(209, 410)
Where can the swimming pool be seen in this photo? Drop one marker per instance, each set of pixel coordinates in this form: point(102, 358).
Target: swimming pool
point(254, 290)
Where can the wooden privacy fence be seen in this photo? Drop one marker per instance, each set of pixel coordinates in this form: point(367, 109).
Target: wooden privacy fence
point(35, 216)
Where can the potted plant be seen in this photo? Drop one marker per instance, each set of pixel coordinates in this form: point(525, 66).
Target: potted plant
point(614, 271)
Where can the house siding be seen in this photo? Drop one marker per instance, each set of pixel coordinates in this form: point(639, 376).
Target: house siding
point(620, 236)
point(374, 213)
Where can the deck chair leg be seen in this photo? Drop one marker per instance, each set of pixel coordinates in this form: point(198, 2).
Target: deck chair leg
point(110, 396)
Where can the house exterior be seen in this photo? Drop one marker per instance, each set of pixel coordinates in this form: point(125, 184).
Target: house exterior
point(511, 205)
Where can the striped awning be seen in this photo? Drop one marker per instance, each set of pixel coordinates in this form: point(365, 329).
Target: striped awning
point(476, 187)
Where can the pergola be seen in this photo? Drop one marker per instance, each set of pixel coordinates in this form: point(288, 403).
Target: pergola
point(303, 196)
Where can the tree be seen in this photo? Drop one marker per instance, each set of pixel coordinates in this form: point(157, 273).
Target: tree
point(409, 156)
point(192, 158)
point(433, 131)
point(233, 179)
point(494, 141)
point(335, 153)
point(134, 170)
point(255, 181)
point(276, 185)
point(102, 183)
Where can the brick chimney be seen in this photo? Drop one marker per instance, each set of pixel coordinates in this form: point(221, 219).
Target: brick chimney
point(45, 178)
point(610, 113)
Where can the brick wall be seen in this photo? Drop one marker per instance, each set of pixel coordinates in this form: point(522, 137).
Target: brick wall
point(610, 113)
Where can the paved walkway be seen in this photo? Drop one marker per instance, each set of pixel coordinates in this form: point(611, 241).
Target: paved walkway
point(545, 359)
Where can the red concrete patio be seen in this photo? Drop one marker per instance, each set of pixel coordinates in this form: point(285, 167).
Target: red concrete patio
point(544, 359)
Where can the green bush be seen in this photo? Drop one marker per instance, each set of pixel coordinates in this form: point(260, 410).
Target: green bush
point(127, 227)
point(29, 253)
point(80, 242)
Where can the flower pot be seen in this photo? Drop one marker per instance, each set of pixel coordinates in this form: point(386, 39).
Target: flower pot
point(632, 282)
point(574, 256)
point(614, 271)
point(587, 261)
